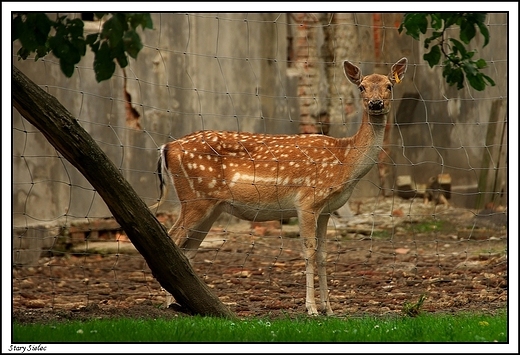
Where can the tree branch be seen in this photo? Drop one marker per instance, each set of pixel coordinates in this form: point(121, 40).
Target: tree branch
point(166, 261)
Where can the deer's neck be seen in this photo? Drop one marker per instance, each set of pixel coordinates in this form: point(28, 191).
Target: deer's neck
point(372, 130)
point(363, 147)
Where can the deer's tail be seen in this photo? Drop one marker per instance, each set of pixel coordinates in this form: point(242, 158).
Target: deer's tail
point(162, 172)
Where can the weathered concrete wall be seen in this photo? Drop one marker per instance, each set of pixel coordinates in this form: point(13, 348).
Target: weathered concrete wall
point(230, 71)
point(195, 72)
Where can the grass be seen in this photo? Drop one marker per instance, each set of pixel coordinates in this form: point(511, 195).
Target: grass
point(422, 328)
point(413, 309)
point(430, 226)
point(426, 226)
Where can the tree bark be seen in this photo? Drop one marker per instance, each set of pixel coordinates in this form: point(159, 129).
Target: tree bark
point(166, 261)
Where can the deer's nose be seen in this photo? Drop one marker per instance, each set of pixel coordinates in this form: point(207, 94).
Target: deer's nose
point(375, 105)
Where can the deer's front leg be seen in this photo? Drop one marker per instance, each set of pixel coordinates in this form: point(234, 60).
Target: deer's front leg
point(321, 260)
point(308, 235)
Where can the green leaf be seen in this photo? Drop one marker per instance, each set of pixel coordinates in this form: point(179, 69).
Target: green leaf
point(122, 19)
point(132, 43)
point(459, 63)
point(80, 45)
point(484, 31)
point(58, 46)
point(435, 35)
point(489, 80)
point(470, 69)
point(453, 75)
point(122, 60)
point(134, 20)
point(476, 82)
point(113, 31)
point(103, 53)
point(23, 53)
point(91, 38)
point(27, 36)
point(66, 67)
point(69, 45)
point(401, 28)
point(75, 28)
point(41, 52)
point(95, 46)
point(42, 26)
point(104, 65)
point(481, 63)
point(458, 47)
point(422, 23)
point(147, 22)
point(76, 50)
point(449, 18)
point(415, 23)
point(433, 57)
point(144, 20)
point(16, 27)
point(478, 17)
point(467, 31)
point(436, 21)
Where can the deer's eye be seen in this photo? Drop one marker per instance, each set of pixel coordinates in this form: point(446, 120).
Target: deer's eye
point(361, 88)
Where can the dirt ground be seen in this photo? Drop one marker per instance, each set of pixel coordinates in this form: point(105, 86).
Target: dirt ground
point(385, 255)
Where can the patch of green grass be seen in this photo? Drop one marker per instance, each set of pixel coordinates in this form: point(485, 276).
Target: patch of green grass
point(413, 309)
point(500, 251)
point(429, 226)
point(423, 227)
point(422, 328)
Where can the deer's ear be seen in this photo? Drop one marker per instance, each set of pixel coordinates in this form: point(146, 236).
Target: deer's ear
point(352, 72)
point(397, 72)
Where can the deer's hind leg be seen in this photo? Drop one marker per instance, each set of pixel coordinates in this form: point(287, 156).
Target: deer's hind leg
point(193, 224)
point(190, 229)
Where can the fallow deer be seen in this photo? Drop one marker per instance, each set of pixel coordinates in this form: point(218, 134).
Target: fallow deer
point(262, 177)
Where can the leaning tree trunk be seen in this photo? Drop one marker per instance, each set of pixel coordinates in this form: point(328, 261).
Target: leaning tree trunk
point(166, 261)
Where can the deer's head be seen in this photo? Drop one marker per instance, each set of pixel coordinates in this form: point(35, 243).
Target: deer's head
point(376, 89)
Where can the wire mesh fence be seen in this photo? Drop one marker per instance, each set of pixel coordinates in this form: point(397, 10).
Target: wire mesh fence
point(429, 219)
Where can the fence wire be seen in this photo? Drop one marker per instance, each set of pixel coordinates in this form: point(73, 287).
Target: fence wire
point(394, 241)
